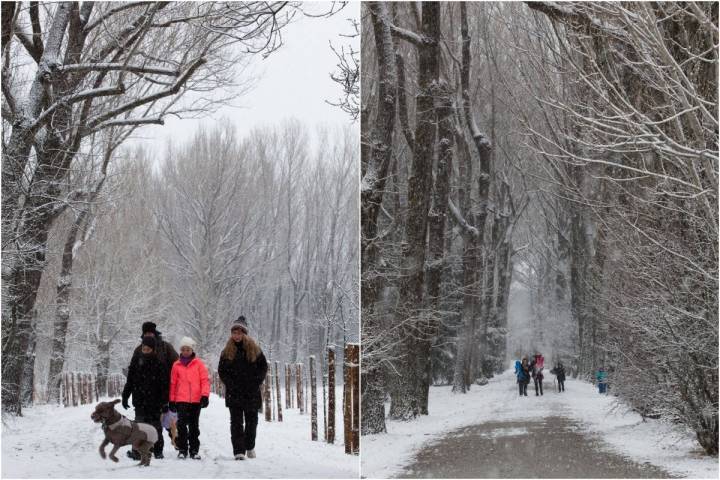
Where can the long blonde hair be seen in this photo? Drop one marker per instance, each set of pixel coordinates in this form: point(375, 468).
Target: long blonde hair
point(250, 346)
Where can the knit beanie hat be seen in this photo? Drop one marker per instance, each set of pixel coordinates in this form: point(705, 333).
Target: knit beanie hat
point(150, 342)
point(187, 342)
point(149, 327)
point(240, 324)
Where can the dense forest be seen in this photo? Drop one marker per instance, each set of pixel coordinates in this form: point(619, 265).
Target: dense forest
point(101, 233)
point(563, 156)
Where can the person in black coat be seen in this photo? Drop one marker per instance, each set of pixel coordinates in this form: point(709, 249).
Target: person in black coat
point(147, 383)
point(559, 372)
point(242, 369)
point(164, 351)
point(167, 355)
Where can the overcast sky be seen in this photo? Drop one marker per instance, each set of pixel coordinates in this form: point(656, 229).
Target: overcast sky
point(292, 82)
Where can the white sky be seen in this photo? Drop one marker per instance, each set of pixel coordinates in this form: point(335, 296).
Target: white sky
point(292, 82)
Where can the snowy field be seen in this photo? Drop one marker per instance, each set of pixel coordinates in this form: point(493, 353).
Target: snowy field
point(57, 442)
point(619, 430)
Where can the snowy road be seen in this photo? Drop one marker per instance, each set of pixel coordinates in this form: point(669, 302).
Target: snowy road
point(56, 442)
point(551, 448)
point(456, 438)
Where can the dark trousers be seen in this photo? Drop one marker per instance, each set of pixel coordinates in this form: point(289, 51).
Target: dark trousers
point(538, 383)
point(523, 387)
point(243, 429)
point(188, 426)
point(561, 385)
point(153, 418)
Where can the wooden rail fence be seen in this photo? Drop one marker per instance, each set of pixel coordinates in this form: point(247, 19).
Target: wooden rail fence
point(79, 388)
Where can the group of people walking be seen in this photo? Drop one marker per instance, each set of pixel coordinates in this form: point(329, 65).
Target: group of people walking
point(163, 384)
point(525, 370)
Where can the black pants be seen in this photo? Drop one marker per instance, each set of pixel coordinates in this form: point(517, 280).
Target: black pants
point(538, 382)
point(561, 385)
point(188, 426)
point(152, 417)
point(243, 428)
point(523, 387)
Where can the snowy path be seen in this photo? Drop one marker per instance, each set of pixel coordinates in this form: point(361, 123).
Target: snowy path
point(494, 416)
point(552, 448)
point(56, 442)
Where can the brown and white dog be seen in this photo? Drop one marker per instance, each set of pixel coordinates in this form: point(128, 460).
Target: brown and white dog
point(120, 431)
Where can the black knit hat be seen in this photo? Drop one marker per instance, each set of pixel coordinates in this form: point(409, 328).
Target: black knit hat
point(240, 324)
point(149, 327)
point(150, 342)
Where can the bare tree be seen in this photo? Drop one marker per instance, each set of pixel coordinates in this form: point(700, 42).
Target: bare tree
point(117, 65)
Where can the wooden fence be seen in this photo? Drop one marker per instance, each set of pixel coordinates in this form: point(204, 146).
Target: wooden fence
point(299, 387)
point(81, 388)
point(115, 385)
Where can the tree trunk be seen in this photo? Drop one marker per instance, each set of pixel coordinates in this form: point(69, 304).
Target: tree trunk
point(408, 394)
point(62, 309)
point(472, 241)
point(376, 163)
point(436, 241)
point(102, 365)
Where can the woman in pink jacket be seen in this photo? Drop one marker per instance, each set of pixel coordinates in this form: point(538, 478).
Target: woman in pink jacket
point(189, 392)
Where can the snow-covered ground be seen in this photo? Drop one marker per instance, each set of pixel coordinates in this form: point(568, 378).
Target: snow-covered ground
point(618, 429)
point(54, 442)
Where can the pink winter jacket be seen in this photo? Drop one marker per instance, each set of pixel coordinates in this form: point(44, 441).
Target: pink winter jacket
point(189, 383)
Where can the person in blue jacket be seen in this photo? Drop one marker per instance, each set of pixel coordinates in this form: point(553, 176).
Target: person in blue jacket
point(522, 372)
point(601, 377)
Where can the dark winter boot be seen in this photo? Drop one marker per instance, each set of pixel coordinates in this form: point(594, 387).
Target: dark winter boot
point(182, 455)
point(195, 456)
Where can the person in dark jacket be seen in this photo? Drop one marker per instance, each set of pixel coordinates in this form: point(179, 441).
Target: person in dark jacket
point(522, 371)
point(242, 369)
point(164, 350)
point(559, 372)
point(167, 355)
point(147, 383)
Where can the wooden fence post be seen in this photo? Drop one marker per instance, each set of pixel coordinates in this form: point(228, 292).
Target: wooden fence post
point(331, 395)
point(73, 389)
point(313, 401)
point(355, 390)
point(347, 402)
point(266, 389)
point(65, 397)
point(298, 383)
point(83, 386)
point(287, 387)
point(273, 393)
point(277, 389)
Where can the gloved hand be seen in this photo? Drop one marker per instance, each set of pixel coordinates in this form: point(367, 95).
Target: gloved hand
point(204, 402)
point(172, 407)
point(165, 408)
point(125, 404)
